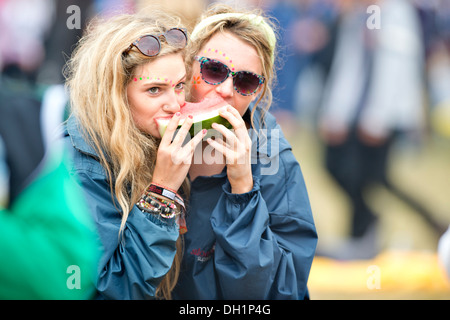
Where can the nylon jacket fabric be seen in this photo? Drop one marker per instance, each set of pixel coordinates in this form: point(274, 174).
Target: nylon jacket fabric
point(257, 245)
point(131, 267)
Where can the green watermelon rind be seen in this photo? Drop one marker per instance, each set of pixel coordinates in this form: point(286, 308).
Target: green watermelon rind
point(200, 122)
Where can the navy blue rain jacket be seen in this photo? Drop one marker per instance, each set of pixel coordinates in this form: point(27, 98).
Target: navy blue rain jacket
point(257, 245)
point(132, 268)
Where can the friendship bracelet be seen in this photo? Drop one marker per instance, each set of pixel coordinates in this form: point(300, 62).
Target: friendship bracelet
point(164, 205)
point(166, 192)
point(164, 202)
point(153, 206)
point(168, 215)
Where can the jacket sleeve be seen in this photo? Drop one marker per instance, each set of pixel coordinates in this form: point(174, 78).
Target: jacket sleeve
point(266, 238)
point(132, 266)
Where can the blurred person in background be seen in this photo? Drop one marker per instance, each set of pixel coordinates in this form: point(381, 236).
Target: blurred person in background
point(25, 25)
point(46, 232)
point(67, 24)
point(374, 93)
point(47, 244)
point(436, 25)
point(304, 38)
point(305, 30)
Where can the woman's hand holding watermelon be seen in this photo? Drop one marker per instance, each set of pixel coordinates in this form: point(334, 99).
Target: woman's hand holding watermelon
point(236, 149)
point(173, 159)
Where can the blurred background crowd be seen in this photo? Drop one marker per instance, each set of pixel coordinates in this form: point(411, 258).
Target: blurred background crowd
point(363, 96)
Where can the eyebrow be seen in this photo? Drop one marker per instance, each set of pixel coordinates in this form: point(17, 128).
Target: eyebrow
point(160, 84)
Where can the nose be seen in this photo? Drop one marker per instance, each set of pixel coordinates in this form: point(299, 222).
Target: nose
point(226, 88)
point(174, 102)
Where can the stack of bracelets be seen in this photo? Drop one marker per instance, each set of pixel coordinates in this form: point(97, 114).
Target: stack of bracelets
point(160, 200)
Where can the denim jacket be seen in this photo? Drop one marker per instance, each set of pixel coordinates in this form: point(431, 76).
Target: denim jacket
point(133, 266)
point(256, 245)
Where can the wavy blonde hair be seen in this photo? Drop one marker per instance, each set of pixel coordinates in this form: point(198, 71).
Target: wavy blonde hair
point(242, 25)
point(97, 77)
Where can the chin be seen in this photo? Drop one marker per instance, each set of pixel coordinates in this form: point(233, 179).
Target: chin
point(151, 132)
point(154, 134)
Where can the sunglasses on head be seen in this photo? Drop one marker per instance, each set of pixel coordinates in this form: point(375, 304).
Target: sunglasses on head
point(215, 72)
point(150, 45)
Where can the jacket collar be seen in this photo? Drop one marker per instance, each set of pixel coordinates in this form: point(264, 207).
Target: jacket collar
point(74, 130)
point(269, 138)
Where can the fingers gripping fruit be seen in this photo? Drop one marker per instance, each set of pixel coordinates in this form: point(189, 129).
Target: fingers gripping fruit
point(204, 113)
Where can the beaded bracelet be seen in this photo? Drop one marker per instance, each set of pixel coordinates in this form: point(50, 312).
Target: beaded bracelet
point(166, 214)
point(166, 192)
point(164, 201)
point(151, 204)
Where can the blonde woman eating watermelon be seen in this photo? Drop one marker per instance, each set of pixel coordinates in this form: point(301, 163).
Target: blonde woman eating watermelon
point(251, 230)
point(125, 73)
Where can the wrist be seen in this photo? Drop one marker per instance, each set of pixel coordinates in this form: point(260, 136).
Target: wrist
point(167, 183)
point(242, 185)
point(162, 190)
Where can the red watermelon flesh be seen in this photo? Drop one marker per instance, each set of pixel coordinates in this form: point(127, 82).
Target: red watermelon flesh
point(204, 113)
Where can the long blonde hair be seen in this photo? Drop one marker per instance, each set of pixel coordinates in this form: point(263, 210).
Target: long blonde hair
point(243, 25)
point(97, 77)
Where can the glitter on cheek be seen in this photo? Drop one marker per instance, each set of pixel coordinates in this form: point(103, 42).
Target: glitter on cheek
point(196, 81)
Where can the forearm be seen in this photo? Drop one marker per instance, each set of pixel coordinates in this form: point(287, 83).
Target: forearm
point(141, 260)
point(135, 258)
point(259, 255)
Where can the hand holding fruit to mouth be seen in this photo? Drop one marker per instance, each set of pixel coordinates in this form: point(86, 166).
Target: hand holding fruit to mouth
point(210, 113)
point(173, 159)
point(204, 114)
point(236, 148)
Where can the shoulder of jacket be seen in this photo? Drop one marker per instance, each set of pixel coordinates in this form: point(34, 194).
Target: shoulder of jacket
point(82, 161)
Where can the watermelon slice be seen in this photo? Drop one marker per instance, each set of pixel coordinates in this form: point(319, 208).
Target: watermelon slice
point(205, 113)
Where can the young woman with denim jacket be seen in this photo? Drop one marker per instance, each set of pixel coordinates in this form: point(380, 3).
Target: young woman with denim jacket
point(126, 72)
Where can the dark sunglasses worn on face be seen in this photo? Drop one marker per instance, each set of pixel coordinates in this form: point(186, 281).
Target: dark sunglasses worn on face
point(215, 72)
point(150, 45)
